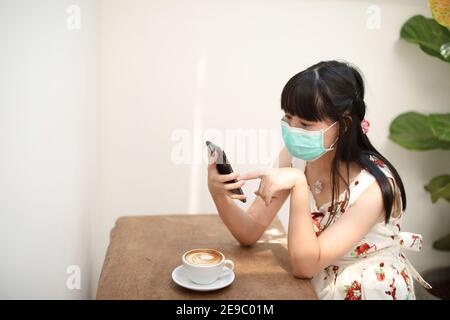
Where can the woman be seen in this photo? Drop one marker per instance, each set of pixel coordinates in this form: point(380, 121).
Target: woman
point(346, 199)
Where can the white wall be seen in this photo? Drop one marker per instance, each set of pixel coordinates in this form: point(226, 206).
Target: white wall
point(47, 144)
point(166, 65)
point(156, 68)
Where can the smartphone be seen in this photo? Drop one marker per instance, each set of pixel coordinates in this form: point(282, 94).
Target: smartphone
point(222, 165)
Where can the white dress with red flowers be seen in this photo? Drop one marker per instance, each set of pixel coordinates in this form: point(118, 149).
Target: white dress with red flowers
point(375, 268)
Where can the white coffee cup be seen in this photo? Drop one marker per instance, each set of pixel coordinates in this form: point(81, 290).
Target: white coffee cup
point(204, 266)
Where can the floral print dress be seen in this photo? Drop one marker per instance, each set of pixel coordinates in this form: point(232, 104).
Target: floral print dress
point(376, 267)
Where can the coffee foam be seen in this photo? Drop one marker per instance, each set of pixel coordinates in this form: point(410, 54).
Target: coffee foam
point(203, 257)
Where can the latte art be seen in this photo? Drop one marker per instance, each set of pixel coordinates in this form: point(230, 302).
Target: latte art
point(203, 257)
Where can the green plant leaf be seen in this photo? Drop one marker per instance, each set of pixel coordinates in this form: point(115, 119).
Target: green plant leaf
point(428, 34)
point(439, 187)
point(440, 125)
point(412, 131)
point(443, 243)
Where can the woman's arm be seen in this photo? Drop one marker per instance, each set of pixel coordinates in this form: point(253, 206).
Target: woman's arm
point(308, 253)
point(246, 226)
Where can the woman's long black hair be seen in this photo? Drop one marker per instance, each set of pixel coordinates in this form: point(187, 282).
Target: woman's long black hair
point(335, 90)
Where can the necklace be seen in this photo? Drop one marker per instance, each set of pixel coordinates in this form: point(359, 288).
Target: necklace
point(318, 186)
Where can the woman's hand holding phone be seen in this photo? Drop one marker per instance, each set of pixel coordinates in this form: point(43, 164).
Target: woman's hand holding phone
point(217, 183)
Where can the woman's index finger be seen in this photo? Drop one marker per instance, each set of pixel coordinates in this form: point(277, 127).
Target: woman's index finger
point(251, 175)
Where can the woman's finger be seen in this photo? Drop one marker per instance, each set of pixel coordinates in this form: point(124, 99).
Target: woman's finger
point(263, 198)
point(264, 186)
point(268, 193)
point(266, 196)
point(261, 187)
point(252, 175)
point(236, 185)
point(235, 196)
point(228, 177)
point(212, 160)
point(258, 192)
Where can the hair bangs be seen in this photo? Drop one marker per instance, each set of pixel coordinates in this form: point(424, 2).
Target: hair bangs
point(301, 98)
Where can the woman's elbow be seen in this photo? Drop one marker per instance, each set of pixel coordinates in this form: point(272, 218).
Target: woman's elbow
point(303, 273)
point(248, 239)
point(246, 242)
point(303, 270)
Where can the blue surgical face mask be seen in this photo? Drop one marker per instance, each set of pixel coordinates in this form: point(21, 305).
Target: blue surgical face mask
point(305, 144)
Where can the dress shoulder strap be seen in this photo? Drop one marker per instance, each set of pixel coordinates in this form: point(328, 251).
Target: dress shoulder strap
point(366, 179)
point(397, 208)
point(382, 166)
point(360, 184)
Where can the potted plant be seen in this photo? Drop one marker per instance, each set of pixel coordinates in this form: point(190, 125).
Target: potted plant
point(420, 132)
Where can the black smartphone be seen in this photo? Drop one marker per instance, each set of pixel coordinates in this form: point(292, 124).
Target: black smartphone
point(222, 165)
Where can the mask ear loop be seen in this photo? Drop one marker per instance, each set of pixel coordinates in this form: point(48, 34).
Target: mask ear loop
point(331, 147)
point(330, 126)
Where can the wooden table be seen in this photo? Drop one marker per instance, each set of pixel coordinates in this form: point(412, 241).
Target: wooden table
point(144, 250)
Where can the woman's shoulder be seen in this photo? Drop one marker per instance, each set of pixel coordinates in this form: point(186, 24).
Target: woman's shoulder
point(397, 206)
point(366, 178)
point(381, 165)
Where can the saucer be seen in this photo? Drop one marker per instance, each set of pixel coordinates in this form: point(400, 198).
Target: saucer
point(180, 277)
